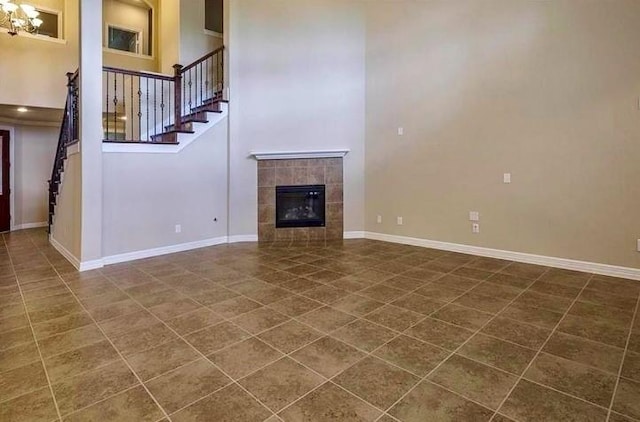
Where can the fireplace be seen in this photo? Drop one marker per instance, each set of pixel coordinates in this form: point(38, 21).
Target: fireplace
point(300, 206)
point(274, 174)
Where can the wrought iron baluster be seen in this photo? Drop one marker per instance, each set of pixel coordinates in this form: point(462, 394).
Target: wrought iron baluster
point(130, 123)
point(147, 109)
point(124, 106)
point(155, 111)
point(139, 109)
point(190, 91)
point(115, 106)
point(106, 134)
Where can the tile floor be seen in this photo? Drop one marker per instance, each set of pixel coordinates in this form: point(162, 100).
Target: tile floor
point(351, 331)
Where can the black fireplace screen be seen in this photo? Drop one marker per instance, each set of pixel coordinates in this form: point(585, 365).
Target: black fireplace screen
point(300, 206)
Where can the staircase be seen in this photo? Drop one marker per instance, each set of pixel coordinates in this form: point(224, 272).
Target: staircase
point(68, 136)
point(144, 108)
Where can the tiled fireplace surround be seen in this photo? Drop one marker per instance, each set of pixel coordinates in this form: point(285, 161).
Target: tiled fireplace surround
point(315, 171)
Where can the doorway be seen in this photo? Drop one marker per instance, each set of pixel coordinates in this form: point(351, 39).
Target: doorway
point(5, 191)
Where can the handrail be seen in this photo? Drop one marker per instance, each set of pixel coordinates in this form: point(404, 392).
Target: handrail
point(137, 73)
point(203, 58)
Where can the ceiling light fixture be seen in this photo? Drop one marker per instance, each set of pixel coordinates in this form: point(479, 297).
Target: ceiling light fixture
point(15, 17)
point(22, 109)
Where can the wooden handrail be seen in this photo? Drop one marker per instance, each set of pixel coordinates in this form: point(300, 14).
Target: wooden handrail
point(203, 58)
point(136, 73)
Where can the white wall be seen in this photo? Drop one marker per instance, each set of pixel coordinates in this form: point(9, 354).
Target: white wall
point(297, 76)
point(35, 149)
point(66, 224)
point(147, 195)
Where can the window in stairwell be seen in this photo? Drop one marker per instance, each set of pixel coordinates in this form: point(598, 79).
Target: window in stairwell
point(128, 26)
point(213, 17)
point(124, 39)
point(51, 23)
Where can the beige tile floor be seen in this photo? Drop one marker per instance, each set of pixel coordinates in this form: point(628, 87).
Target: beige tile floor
point(351, 331)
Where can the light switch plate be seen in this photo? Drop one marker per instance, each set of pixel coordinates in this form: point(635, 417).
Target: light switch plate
point(506, 178)
point(474, 216)
point(400, 222)
point(400, 131)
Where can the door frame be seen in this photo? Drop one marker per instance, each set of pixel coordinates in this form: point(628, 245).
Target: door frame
point(12, 143)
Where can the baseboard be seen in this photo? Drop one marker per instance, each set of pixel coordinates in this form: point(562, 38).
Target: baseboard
point(549, 261)
point(353, 235)
point(243, 238)
point(148, 253)
point(29, 226)
point(65, 252)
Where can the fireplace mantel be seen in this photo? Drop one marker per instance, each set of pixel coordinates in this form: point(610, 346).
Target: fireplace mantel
point(294, 155)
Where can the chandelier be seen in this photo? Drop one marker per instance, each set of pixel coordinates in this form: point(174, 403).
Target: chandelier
point(23, 17)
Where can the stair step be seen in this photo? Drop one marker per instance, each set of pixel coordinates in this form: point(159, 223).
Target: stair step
point(211, 108)
point(188, 120)
point(168, 137)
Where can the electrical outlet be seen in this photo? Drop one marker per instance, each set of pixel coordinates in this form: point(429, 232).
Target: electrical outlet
point(379, 219)
point(475, 228)
point(178, 228)
point(506, 178)
point(474, 216)
point(400, 221)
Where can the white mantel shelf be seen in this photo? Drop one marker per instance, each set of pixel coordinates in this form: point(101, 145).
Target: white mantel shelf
point(293, 155)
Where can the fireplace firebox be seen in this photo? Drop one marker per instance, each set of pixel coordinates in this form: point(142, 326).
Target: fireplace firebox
point(300, 206)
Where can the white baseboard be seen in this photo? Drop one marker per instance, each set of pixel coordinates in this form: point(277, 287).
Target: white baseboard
point(65, 252)
point(29, 226)
point(549, 261)
point(148, 253)
point(243, 238)
point(353, 235)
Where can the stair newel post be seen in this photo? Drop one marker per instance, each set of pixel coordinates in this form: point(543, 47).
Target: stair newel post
point(177, 107)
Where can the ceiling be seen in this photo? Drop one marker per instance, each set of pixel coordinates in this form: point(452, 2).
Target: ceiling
point(34, 115)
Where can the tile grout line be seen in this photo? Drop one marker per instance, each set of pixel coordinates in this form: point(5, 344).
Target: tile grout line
point(624, 355)
point(477, 283)
point(325, 304)
point(371, 355)
point(553, 331)
point(33, 334)
point(192, 347)
point(462, 345)
point(110, 342)
point(325, 335)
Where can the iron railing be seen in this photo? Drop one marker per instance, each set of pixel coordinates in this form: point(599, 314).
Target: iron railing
point(142, 106)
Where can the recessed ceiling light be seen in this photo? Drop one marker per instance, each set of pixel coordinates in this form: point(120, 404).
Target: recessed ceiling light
point(22, 109)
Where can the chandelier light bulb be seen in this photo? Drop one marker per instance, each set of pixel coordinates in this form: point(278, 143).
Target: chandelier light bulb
point(10, 7)
point(36, 22)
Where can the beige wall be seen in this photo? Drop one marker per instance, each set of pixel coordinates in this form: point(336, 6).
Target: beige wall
point(146, 195)
point(128, 16)
point(66, 224)
point(35, 149)
point(169, 36)
point(547, 91)
point(297, 83)
point(194, 43)
point(32, 71)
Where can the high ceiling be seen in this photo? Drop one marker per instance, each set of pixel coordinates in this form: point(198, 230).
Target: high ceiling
point(34, 115)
